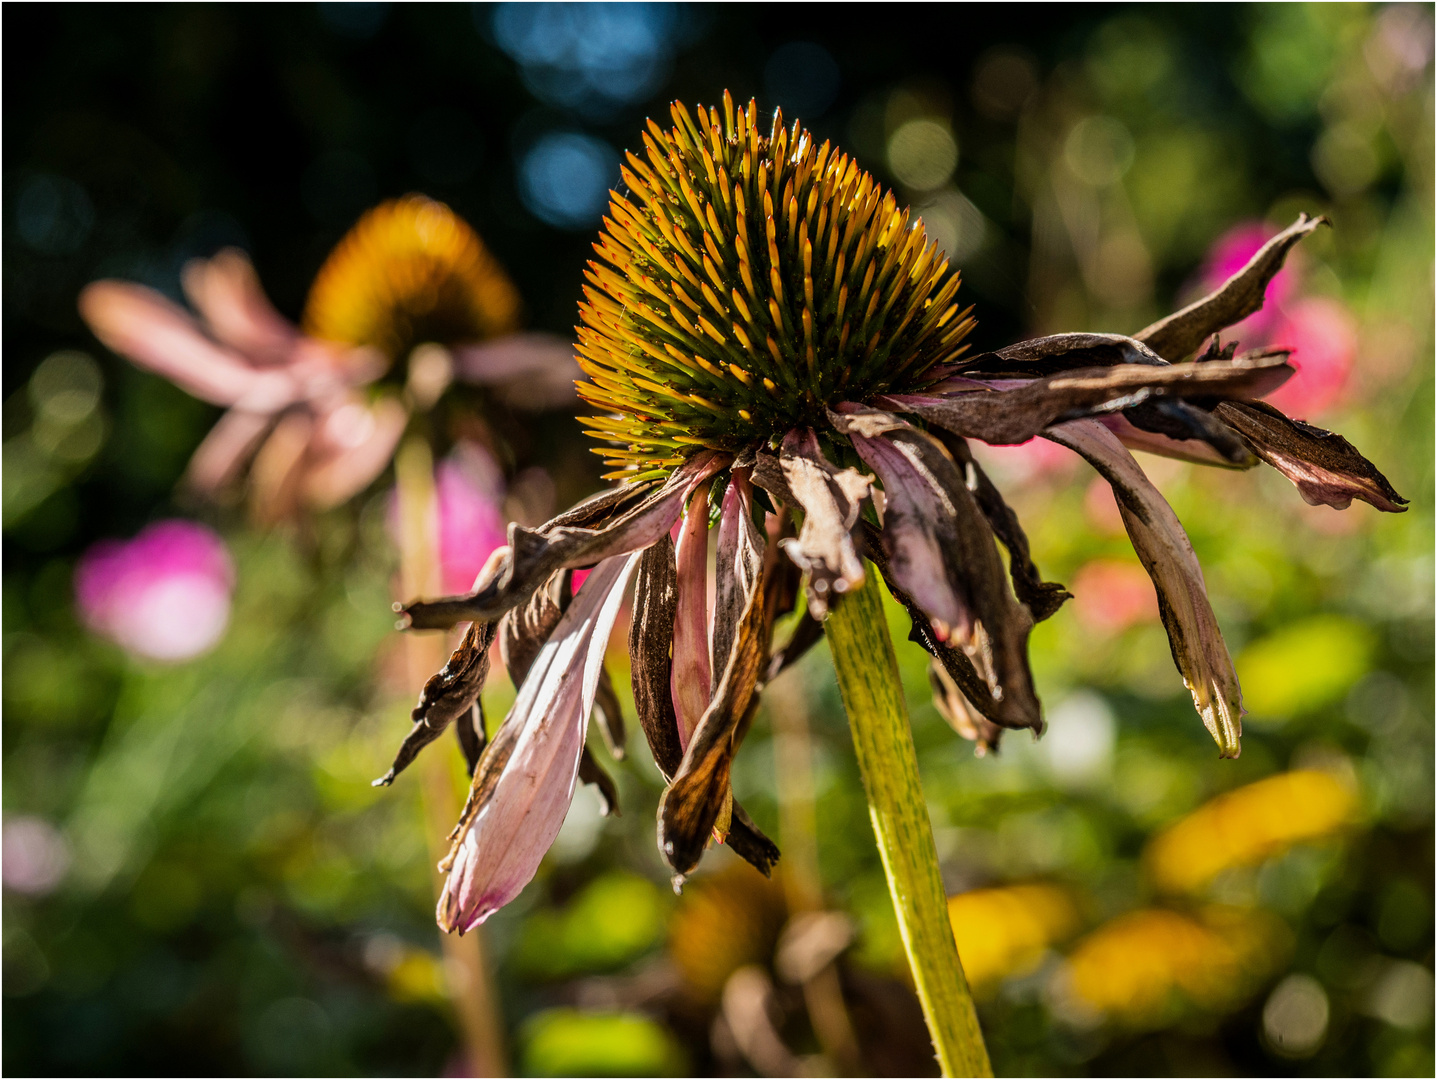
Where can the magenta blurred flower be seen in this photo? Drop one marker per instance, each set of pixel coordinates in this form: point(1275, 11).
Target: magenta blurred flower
point(165, 595)
point(1322, 334)
point(1320, 331)
point(36, 856)
point(1229, 254)
point(470, 492)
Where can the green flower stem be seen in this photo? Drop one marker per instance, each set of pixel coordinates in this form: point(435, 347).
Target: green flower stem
point(878, 717)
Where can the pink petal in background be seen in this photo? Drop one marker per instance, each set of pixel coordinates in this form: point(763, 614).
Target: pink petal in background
point(165, 595)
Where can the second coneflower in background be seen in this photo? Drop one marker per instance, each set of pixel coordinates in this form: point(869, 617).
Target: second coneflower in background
point(312, 419)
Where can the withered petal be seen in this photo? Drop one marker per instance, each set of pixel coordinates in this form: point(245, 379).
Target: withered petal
point(1183, 421)
point(651, 634)
point(1166, 553)
point(692, 663)
point(741, 552)
point(807, 632)
point(1151, 442)
point(446, 697)
point(1038, 357)
point(942, 551)
point(524, 629)
point(1009, 711)
point(591, 772)
point(831, 500)
point(1043, 598)
point(962, 715)
point(1015, 415)
point(1183, 332)
point(693, 803)
point(750, 844)
point(536, 553)
point(469, 729)
point(1327, 469)
point(609, 717)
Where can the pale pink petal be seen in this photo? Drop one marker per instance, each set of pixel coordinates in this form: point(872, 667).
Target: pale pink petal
point(351, 447)
point(502, 850)
point(1166, 553)
point(225, 450)
point(692, 668)
point(915, 505)
point(529, 371)
point(226, 292)
point(140, 324)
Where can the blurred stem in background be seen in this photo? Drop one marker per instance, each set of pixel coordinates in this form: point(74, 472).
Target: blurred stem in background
point(872, 691)
point(799, 872)
point(470, 982)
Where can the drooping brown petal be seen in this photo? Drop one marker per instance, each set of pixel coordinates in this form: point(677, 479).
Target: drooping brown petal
point(523, 630)
point(447, 696)
point(510, 822)
point(651, 634)
point(699, 799)
point(591, 772)
point(962, 715)
point(1183, 421)
point(609, 717)
point(1049, 355)
point(537, 553)
point(750, 844)
point(469, 729)
point(739, 564)
point(1005, 710)
point(1193, 450)
point(1326, 468)
point(1158, 538)
point(807, 633)
point(1043, 598)
point(831, 500)
point(942, 552)
point(691, 661)
point(1183, 332)
point(1021, 413)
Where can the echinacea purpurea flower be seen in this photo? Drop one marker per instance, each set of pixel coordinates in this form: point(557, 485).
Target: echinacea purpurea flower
point(310, 412)
point(772, 339)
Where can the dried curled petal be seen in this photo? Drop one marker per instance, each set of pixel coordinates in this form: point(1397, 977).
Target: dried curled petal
point(1163, 547)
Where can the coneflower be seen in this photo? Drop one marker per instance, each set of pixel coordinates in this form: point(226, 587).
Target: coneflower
point(772, 341)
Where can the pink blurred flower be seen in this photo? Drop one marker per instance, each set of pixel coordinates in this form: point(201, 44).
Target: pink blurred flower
point(294, 405)
point(1229, 254)
point(36, 856)
point(1322, 334)
point(1321, 331)
point(1111, 595)
point(470, 491)
point(1025, 462)
point(164, 595)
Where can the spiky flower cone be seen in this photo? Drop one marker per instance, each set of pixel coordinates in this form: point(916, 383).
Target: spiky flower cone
point(753, 280)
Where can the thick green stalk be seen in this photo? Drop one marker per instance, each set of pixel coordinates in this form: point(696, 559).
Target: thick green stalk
point(878, 717)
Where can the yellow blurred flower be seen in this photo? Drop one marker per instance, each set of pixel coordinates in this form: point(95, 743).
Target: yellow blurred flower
point(724, 922)
point(1142, 967)
point(410, 271)
point(1246, 826)
point(1005, 931)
